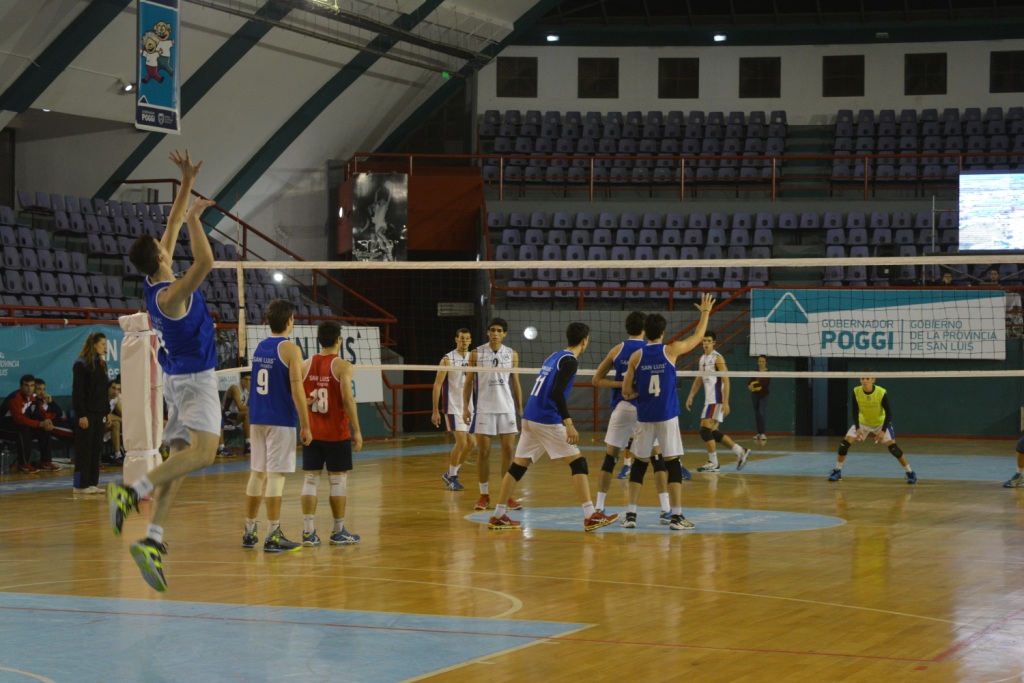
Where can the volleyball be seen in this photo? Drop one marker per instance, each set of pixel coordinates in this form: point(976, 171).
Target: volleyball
point(755, 385)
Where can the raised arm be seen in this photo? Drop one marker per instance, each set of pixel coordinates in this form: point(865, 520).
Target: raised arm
point(343, 371)
point(678, 348)
point(605, 367)
point(189, 171)
point(175, 298)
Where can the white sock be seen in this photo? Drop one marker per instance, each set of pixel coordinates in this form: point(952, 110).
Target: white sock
point(339, 524)
point(839, 465)
point(713, 457)
point(908, 468)
point(677, 511)
point(631, 508)
point(143, 487)
point(453, 470)
point(308, 525)
point(273, 525)
point(499, 510)
point(588, 510)
point(737, 449)
point(250, 526)
point(628, 462)
point(155, 532)
point(484, 488)
point(600, 500)
point(663, 499)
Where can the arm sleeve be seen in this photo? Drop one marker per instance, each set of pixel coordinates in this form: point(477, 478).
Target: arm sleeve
point(888, 412)
point(567, 367)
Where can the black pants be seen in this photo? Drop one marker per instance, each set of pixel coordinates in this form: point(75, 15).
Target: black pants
point(22, 436)
point(760, 408)
point(88, 448)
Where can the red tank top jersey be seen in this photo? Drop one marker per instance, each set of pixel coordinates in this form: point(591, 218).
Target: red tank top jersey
point(327, 417)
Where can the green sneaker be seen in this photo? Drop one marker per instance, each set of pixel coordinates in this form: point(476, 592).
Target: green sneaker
point(277, 543)
point(148, 555)
point(121, 499)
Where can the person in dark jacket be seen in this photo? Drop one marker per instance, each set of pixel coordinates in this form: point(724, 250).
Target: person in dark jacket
point(89, 399)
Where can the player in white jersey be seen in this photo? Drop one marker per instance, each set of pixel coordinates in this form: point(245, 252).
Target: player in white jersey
point(716, 406)
point(499, 399)
point(448, 386)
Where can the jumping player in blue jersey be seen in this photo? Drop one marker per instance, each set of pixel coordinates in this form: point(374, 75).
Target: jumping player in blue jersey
point(651, 380)
point(548, 428)
point(188, 356)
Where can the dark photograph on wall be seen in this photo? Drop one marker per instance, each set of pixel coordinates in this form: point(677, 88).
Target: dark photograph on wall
point(380, 207)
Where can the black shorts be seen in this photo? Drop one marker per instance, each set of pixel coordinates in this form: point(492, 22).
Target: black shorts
point(337, 455)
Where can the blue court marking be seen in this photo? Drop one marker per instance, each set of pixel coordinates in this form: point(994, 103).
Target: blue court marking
point(877, 463)
point(57, 637)
point(707, 521)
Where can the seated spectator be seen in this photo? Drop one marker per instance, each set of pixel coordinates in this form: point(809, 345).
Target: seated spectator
point(236, 411)
point(48, 409)
point(16, 423)
point(114, 424)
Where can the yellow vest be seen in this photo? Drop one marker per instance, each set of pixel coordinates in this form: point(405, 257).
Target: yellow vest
point(869, 406)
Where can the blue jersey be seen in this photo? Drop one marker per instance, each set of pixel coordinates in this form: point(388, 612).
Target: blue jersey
point(656, 384)
point(620, 364)
point(187, 344)
point(270, 398)
point(541, 406)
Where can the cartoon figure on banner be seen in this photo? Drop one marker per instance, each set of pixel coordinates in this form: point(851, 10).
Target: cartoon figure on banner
point(162, 30)
point(151, 53)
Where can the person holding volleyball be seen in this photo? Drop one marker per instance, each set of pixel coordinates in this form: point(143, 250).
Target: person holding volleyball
point(758, 388)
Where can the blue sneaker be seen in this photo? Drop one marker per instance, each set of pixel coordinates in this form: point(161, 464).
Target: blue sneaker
point(686, 474)
point(148, 555)
point(343, 537)
point(1014, 482)
point(452, 483)
point(835, 475)
point(624, 472)
point(665, 518)
point(447, 481)
point(911, 477)
point(311, 539)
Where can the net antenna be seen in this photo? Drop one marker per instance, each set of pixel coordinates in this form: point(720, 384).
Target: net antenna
point(240, 275)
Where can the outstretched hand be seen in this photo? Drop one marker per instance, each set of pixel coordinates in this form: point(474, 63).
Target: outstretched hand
point(188, 168)
point(707, 302)
point(200, 205)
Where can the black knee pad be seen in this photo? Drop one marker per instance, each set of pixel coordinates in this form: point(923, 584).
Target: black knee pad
point(517, 471)
point(896, 451)
point(609, 463)
point(706, 434)
point(675, 471)
point(718, 436)
point(579, 466)
point(636, 475)
point(844, 447)
point(658, 463)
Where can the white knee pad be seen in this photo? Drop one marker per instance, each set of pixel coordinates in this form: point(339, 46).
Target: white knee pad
point(275, 484)
point(255, 486)
point(339, 484)
point(311, 484)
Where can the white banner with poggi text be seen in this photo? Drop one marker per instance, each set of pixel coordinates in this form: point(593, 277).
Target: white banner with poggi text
point(879, 323)
point(359, 346)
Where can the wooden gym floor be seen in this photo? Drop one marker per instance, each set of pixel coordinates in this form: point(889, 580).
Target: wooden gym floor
point(788, 577)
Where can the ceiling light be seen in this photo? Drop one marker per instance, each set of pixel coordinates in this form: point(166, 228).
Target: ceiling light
point(278, 277)
point(552, 38)
point(46, 110)
point(720, 37)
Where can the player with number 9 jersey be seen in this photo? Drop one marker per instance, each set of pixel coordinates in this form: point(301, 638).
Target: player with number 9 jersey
point(327, 417)
point(271, 403)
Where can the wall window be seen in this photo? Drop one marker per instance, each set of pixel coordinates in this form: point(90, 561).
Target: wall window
point(598, 77)
point(842, 76)
point(760, 77)
point(1006, 71)
point(924, 74)
point(678, 78)
point(517, 77)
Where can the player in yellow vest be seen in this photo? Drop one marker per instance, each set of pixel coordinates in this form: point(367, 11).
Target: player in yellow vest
point(872, 416)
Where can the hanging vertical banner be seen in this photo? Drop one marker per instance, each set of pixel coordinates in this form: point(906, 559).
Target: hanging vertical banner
point(380, 208)
point(159, 96)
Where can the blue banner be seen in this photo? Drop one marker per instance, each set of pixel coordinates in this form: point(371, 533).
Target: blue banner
point(159, 96)
point(50, 354)
point(879, 323)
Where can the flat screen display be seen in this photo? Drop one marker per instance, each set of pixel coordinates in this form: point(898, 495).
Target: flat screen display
point(991, 212)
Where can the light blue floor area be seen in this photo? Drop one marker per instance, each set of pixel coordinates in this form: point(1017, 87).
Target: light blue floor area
point(707, 521)
point(135, 640)
point(876, 462)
